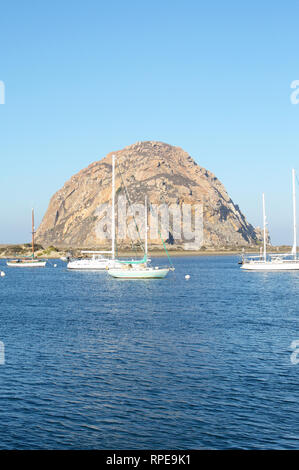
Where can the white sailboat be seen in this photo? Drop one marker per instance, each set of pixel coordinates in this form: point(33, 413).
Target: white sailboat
point(140, 269)
point(98, 260)
point(277, 261)
point(28, 262)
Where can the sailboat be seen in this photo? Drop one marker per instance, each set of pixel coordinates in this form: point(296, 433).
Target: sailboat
point(277, 261)
point(140, 269)
point(98, 260)
point(28, 262)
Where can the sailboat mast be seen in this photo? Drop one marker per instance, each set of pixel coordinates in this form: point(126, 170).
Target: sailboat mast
point(33, 233)
point(294, 250)
point(265, 234)
point(113, 207)
point(145, 225)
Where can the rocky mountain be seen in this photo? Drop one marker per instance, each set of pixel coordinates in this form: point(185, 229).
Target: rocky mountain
point(169, 177)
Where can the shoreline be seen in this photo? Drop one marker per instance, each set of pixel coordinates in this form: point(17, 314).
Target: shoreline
point(18, 251)
point(128, 254)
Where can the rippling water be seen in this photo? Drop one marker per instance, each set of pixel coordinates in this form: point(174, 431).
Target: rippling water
point(98, 363)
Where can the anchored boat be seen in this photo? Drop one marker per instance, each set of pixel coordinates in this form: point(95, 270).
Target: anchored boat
point(277, 261)
point(140, 269)
point(31, 261)
point(96, 260)
point(140, 272)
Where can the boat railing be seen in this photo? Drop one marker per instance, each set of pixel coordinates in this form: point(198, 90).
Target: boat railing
point(280, 255)
point(249, 256)
point(274, 257)
point(269, 255)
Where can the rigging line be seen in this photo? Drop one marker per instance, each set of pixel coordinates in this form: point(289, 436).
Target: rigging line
point(159, 232)
point(117, 247)
point(160, 235)
point(130, 204)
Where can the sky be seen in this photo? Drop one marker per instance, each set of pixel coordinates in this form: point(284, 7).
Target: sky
point(84, 78)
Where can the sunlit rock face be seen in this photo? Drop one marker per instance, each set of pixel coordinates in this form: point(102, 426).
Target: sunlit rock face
point(166, 175)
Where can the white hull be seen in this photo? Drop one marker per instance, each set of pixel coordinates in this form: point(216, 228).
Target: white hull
point(37, 264)
point(146, 273)
point(93, 264)
point(271, 265)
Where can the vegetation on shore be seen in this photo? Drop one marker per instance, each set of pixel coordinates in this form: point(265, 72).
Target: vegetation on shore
point(52, 252)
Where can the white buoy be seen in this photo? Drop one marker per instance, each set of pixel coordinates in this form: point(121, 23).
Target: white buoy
point(2, 273)
point(55, 265)
point(187, 276)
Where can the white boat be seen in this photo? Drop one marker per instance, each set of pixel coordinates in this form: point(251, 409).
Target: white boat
point(281, 262)
point(139, 272)
point(96, 260)
point(275, 262)
point(28, 262)
point(139, 269)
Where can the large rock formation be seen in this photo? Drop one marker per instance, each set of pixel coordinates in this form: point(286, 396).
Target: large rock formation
point(167, 175)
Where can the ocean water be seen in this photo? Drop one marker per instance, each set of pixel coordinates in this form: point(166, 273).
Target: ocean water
point(93, 362)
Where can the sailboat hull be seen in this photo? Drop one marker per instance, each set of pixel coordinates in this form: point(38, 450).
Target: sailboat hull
point(93, 264)
point(147, 273)
point(26, 264)
point(271, 266)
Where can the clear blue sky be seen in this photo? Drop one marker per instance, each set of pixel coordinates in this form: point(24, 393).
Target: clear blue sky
point(84, 78)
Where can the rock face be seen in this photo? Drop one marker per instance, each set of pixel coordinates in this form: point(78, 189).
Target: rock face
point(166, 175)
